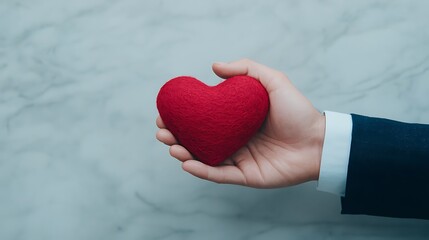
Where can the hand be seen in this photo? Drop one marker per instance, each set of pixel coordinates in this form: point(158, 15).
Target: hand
point(286, 150)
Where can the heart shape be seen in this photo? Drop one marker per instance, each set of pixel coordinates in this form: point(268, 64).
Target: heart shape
point(213, 122)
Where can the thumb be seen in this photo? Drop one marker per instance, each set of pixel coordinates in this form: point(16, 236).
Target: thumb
point(269, 78)
point(223, 70)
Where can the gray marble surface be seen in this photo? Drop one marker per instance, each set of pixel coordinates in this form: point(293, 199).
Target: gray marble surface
point(78, 82)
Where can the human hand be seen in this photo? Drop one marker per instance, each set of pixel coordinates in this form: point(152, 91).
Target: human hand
point(284, 152)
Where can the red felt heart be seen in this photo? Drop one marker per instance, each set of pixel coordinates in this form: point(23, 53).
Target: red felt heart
point(213, 122)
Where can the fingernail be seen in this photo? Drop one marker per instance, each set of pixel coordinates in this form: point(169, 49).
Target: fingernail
point(220, 63)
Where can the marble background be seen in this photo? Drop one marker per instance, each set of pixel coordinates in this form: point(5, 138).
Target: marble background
point(78, 82)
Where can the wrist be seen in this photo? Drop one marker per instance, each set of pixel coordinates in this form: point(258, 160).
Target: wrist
point(319, 140)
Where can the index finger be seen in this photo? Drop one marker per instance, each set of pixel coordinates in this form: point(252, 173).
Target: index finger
point(160, 123)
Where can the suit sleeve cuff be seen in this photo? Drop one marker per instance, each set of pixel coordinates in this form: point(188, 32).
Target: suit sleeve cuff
point(335, 153)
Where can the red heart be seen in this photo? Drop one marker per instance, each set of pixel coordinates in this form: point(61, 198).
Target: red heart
point(213, 122)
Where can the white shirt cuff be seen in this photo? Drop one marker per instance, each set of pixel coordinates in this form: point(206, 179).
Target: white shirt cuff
point(335, 153)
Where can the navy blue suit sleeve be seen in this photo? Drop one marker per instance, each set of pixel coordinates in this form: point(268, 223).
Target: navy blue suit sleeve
point(388, 169)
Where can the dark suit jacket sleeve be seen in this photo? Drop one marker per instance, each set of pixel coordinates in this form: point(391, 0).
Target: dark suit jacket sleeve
point(388, 172)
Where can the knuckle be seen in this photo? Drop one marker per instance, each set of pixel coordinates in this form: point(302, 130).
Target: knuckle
point(279, 75)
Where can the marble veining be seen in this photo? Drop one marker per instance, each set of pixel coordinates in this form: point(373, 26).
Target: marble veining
point(78, 82)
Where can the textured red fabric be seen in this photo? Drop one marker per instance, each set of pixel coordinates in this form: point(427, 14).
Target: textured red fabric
point(213, 122)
